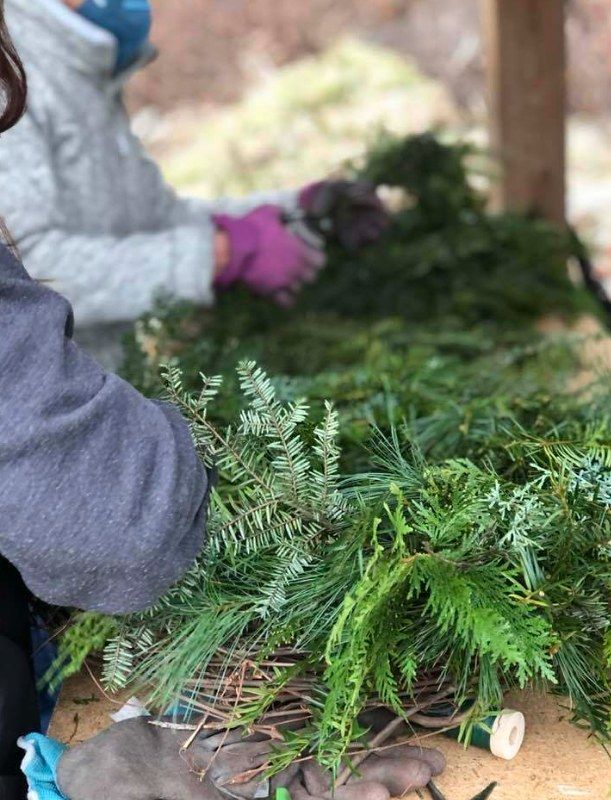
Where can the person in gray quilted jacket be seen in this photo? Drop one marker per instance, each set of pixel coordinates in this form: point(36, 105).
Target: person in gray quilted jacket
point(89, 210)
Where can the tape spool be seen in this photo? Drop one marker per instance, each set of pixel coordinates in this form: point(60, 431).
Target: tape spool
point(501, 734)
point(507, 734)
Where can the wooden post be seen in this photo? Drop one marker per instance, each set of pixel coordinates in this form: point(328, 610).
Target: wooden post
point(526, 86)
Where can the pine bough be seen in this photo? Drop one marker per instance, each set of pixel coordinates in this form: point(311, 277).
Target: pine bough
point(439, 533)
point(318, 597)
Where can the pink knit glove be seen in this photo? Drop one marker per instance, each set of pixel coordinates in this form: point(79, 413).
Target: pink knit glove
point(265, 256)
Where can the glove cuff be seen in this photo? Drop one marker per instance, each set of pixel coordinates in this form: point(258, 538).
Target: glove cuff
point(243, 242)
point(39, 765)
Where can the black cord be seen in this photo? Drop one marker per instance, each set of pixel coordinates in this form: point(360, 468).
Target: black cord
point(435, 792)
point(485, 794)
point(588, 273)
point(594, 285)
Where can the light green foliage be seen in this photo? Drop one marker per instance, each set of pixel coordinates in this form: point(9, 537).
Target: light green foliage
point(484, 576)
point(87, 632)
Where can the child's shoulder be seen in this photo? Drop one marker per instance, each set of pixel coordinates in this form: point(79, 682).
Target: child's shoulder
point(11, 267)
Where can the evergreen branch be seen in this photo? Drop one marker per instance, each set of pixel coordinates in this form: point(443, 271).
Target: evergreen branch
point(467, 538)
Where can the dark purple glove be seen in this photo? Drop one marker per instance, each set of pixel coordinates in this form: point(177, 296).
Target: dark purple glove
point(349, 211)
point(265, 256)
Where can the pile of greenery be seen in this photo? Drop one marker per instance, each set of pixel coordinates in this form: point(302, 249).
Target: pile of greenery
point(445, 262)
point(447, 515)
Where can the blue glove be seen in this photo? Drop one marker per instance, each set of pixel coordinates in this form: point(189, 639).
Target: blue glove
point(39, 766)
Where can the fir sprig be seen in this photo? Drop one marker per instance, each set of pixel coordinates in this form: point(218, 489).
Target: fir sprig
point(415, 568)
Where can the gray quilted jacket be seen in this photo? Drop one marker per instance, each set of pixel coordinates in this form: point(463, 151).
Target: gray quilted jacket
point(87, 208)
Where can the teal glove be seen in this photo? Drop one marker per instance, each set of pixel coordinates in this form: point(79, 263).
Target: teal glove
point(39, 766)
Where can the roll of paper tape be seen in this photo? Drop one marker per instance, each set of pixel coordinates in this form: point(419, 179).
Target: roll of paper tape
point(507, 735)
point(501, 734)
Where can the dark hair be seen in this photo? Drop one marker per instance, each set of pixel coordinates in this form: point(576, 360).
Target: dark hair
point(13, 83)
point(14, 90)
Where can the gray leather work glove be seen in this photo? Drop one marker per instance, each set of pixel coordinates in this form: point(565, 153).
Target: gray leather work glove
point(389, 773)
point(349, 211)
point(137, 760)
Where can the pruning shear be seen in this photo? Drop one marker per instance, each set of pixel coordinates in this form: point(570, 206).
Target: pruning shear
point(436, 794)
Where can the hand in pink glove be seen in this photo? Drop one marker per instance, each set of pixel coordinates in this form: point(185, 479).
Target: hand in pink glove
point(265, 256)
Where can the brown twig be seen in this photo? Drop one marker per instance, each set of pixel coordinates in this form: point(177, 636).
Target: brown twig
point(175, 726)
point(101, 689)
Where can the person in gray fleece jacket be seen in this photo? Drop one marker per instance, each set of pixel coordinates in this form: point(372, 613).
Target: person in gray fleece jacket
point(102, 495)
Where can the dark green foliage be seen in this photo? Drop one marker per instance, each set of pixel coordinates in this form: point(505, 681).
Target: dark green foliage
point(469, 537)
point(445, 258)
point(445, 263)
point(453, 387)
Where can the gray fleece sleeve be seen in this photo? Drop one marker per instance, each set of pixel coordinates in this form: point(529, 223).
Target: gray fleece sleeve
point(102, 495)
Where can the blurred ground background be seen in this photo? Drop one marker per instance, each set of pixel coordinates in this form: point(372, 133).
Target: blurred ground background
point(213, 49)
point(256, 93)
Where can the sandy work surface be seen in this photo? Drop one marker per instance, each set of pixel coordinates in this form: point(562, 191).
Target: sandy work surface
point(557, 761)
